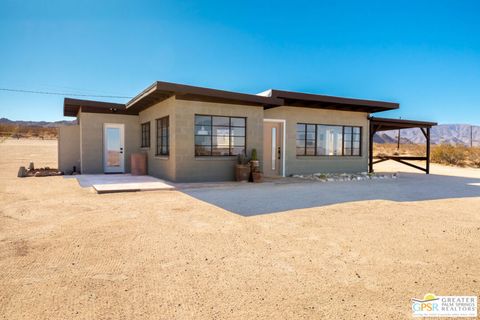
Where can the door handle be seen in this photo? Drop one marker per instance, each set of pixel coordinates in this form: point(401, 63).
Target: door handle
point(279, 153)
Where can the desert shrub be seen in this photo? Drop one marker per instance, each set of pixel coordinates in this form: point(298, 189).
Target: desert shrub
point(16, 131)
point(473, 156)
point(457, 155)
point(448, 154)
point(418, 150)
point(405, 149)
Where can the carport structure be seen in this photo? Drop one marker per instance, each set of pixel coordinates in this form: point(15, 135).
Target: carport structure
point(385, 124)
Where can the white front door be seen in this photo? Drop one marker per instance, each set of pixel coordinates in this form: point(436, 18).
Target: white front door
point(273, 153)
point(113, 148)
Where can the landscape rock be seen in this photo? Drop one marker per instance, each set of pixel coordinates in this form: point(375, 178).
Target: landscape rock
point(22, 172)
point(39, 172)
point(331, 177)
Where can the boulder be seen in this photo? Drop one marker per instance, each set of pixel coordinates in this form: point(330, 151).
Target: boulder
point(22, 172)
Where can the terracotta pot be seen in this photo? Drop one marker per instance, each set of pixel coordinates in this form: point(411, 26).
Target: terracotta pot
point(138, 164)
point(242, 172)
point(255, 163)
point(257, 176)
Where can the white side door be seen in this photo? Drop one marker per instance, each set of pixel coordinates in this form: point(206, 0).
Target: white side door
point(113, 148)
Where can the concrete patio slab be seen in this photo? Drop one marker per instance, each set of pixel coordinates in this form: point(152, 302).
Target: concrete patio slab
point(107, 183)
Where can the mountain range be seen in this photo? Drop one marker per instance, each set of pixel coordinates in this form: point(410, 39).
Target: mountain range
point(444, 133)
point(44, 124)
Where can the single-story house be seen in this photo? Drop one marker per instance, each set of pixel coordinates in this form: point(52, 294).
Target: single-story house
point(192, 133)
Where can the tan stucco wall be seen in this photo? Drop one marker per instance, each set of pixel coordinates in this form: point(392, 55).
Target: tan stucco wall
point(69, 148)
point(91, 139)
point(181, 164)
point(191, 168)
point(160, 166)
point(302, 164)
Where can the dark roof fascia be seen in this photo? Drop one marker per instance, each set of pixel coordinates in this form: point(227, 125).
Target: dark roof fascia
point(385, 124)
point(331, 102)
point(71, 107)
point(159, 91)
point(151, 88)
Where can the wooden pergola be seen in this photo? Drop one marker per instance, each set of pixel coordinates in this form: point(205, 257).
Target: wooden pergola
point(385, 124)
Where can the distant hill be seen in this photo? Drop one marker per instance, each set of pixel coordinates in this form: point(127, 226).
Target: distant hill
point(444, 133)
point(44, 124)
point(31, 129)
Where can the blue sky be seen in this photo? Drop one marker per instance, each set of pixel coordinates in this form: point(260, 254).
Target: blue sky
point(423, 54)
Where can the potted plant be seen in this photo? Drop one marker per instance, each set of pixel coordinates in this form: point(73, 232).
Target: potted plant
point(242, 169)
point(254, 160)
point(257, 176)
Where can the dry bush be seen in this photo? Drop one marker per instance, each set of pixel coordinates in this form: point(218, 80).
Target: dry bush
point(473, 155)
point(455, 155)
point(449, 154)
point(380, 149)
point(16, 131)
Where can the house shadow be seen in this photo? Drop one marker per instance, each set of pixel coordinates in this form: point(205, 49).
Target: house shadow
point(257, 199)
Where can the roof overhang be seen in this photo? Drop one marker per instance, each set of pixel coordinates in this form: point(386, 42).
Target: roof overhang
point(386, 124)
point(71, 107)
point(160, 91)
point(308, 100)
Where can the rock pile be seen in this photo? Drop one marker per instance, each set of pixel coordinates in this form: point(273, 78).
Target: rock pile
point(329, 177)
point(39, 172)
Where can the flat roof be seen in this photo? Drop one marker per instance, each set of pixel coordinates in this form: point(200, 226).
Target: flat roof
point(310, 100)
point(386, 124)
point(159, 91)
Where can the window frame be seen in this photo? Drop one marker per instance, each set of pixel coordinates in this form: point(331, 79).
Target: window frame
point(305, 124)
point(352, 134)
point(211, 135)
point(159, 136)
point(145, 140)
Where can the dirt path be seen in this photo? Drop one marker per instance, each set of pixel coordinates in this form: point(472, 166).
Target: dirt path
point(67, 253)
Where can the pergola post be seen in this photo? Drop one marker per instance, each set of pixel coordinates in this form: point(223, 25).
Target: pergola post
point(370, 148)
point(428, 151)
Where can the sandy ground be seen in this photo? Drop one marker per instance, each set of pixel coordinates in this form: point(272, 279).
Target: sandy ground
point(67, 253)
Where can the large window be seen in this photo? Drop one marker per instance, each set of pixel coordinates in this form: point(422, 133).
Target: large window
point(162, 137)
point(219, 136)
point(145, 135)
point(326, 140)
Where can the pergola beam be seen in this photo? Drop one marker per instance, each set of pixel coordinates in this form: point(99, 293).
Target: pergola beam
point(411, 165)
